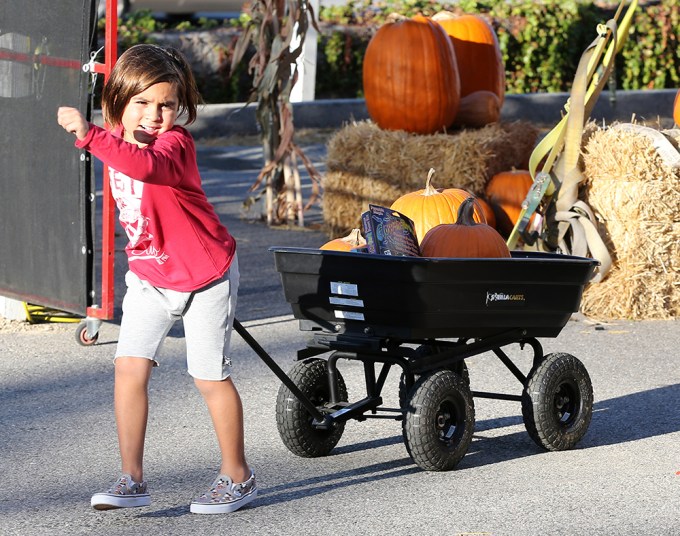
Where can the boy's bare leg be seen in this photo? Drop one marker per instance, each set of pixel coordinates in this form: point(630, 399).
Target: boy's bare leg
point(226, 412)
point(131, 404)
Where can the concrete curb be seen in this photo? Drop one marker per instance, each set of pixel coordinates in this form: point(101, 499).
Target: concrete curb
point(223, 120)
point(218, 120)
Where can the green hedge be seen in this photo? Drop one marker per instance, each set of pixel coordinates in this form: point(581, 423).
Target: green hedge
point(541, 43)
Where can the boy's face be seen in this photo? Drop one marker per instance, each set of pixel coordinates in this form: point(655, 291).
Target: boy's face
point(150, 113)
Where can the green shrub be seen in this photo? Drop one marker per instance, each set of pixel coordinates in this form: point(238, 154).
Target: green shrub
point(541, 43)
point(651, 57)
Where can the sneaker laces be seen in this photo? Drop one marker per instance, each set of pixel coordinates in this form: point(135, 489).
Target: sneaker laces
point(223, 486)
point(125, 485)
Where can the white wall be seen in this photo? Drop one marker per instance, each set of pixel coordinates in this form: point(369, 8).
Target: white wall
point(12, 309)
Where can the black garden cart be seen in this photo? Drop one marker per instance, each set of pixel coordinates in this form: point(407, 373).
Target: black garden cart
point(424, 318)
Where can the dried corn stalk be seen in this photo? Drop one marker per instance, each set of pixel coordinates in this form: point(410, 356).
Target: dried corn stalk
point(277, 30)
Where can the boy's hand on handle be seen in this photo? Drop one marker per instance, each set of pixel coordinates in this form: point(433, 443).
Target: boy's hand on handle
point(73, 121)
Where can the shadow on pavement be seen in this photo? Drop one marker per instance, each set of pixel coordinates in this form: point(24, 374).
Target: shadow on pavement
point(303, 489)
point(617, 420)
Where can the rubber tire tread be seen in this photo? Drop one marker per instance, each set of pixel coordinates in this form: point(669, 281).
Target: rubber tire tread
point(538, 402)
point(459, 368)
point(294, 422)
point(404, 393)
point(422, 440)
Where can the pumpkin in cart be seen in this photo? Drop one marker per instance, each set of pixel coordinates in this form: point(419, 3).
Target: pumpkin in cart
point(465, 238)
point(506, 191)
point(431, 206)
point(353, 240)
point(489, 216)
point(676, 108)
point(410, 77)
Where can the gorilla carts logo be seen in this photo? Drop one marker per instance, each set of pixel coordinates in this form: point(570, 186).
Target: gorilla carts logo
point(505, 299)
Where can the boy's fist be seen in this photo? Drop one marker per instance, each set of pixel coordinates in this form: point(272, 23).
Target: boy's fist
point(73, 121)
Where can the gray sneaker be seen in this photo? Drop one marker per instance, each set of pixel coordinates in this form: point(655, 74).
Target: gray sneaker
point(224, 496)
point(125, 493)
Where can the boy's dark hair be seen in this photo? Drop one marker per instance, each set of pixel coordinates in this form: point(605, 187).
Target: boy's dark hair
point(139, 68)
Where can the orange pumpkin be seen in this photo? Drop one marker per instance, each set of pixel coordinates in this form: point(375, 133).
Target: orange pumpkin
point(478, 109)
point(676, 108)
point(465, 238)
point(430, 206)
point(480, 62)
point(347, 243)
point(489, 216)
point(410, 77)
point(505, 192)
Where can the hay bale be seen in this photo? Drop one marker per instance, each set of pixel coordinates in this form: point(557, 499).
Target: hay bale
point(366, 164)
point(636, 198)
point(346, 196)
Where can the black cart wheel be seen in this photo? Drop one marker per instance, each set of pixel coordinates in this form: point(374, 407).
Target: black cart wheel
point(557, 403)
point(439, 421)
point(295, 423)
point(405, 385)
point(406, 388)
point(81, 335)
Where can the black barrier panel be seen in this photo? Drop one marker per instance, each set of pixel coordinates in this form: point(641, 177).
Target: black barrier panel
point(46, 191)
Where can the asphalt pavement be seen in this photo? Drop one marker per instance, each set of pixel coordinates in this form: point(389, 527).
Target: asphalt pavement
point(58, 443)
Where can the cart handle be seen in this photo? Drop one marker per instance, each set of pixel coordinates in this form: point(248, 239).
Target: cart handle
point(320, 420)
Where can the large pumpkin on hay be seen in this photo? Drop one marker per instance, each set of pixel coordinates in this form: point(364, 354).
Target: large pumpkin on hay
point(465, 238)
point(410, 77)
point(506, 191)
point(480, 62)
point(676, 108)
point(430, 206)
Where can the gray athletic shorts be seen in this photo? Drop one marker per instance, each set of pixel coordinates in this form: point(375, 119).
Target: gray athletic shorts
point(208, 315)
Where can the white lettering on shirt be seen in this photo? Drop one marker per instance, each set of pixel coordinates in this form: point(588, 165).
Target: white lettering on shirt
point(127, 193)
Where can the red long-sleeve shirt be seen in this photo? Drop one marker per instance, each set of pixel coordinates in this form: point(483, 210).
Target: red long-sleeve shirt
point(176, 240)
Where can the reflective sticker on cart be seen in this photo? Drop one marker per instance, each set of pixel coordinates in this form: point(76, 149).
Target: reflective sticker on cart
point(505, 299)
point(349, 315)
point(350, 302)
point(344, 289)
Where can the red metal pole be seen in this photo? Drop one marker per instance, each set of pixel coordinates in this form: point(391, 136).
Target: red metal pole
point(105, 310)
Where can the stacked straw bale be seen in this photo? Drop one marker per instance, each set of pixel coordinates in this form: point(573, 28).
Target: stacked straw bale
point(366, 164)
point(636, 197)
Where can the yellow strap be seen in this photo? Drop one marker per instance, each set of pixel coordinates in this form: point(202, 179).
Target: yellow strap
point(567, 170)
point(39, 313)
point(585, 237)
point(552, 142)
point(585, 91)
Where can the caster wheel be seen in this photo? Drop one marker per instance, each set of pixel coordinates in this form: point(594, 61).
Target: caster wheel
point(294, 422)
point(81, 335)
point(557, 402)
